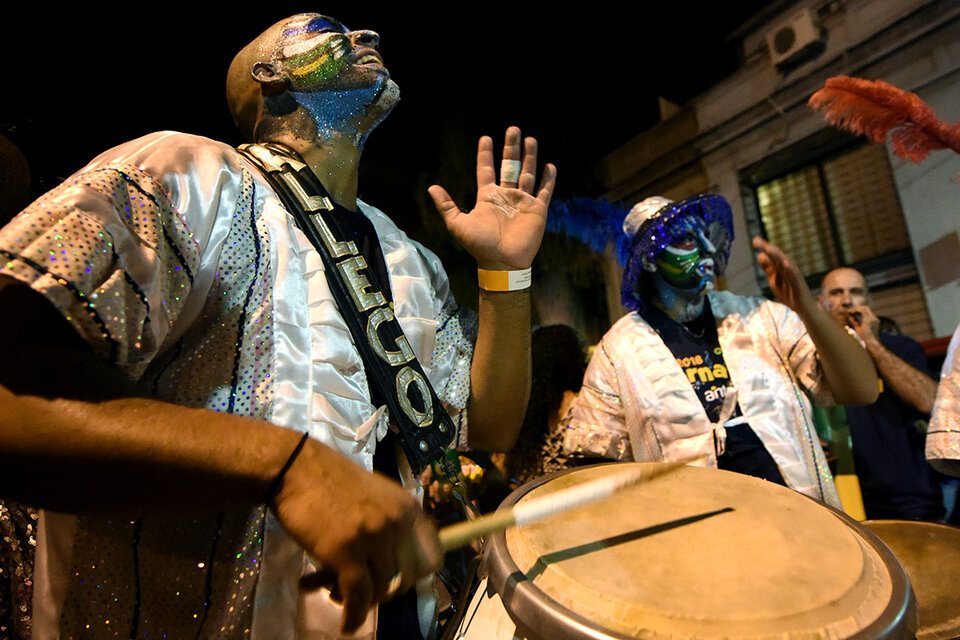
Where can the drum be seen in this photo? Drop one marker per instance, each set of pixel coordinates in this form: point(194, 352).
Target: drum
point(931, 555)
point(699, 553)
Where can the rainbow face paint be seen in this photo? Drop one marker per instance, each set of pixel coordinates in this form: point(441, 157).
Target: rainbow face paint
point(318, 53)
point(314, 50)
point(335, 74)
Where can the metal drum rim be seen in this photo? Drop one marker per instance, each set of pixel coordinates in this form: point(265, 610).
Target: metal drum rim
point(924, 630)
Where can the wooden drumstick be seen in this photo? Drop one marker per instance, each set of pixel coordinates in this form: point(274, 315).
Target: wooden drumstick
point(458, 535)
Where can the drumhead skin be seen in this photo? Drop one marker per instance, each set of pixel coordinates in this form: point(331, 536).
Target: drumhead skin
point(930, 553)
point(699, 553)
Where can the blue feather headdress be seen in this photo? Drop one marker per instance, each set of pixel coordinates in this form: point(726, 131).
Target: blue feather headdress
point(638, 241)
point(593, 222)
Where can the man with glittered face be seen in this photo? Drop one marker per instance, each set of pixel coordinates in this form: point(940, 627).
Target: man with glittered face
point(175, 270)
point(693, 371)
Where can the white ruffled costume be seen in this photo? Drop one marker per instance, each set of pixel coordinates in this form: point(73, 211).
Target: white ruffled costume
point(943, 436)
point(173, 258)
point(637, 404)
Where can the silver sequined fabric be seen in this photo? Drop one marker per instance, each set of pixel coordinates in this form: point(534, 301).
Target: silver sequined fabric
point(943, 435)
point(18, 541)
point(456, 337)
point(96, 270)
point(179, 267)
point(157, 576)
point(122, 281)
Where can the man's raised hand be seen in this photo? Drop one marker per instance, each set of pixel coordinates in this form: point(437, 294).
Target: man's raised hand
point(505, 227)
point(783, 275)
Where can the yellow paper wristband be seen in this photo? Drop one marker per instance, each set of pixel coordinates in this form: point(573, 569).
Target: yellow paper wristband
point(515, 280)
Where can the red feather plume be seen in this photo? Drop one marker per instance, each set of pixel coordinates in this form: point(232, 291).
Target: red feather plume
point(876, 108)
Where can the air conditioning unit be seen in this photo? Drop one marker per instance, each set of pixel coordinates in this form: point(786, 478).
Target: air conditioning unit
point(795, 41)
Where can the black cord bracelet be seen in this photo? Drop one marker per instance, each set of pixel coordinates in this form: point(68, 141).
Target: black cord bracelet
point(278, 480)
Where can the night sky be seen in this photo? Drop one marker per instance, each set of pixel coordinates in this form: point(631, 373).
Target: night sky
point(80, 80)
point(83, 78)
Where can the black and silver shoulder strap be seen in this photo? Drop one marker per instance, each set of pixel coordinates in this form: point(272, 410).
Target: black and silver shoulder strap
point(426, 430)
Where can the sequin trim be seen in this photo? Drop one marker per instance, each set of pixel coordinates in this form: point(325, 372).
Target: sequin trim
point(166, 235)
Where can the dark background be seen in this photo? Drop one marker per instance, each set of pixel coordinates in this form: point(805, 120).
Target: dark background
point(81, 79)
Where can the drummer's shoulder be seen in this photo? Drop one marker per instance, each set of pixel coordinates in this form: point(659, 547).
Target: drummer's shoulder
point(628, 334)
point(630, 323)
point(157, 152)
point(726, 304)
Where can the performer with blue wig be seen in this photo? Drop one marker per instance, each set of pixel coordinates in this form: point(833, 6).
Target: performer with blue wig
point(695, 371)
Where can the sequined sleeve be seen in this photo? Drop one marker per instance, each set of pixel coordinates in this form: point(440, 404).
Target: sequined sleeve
point(596, 423)
point(111, 251)
point(797, 346)
point(943, 436)
point(453, 356)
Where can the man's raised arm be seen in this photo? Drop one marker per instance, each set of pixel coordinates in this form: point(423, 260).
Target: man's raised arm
point(913, 386)
point(846, 365)
point(503, 233)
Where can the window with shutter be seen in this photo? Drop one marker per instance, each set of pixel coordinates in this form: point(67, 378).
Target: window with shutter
point(842, 209)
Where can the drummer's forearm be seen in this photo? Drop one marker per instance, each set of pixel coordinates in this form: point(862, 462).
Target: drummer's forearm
point(134, 455)
point(500, 373)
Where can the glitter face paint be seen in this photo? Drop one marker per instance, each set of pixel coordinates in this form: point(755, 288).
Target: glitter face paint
point(338, 112)
point(335, 74)
point(685, 273)
point(314, 50)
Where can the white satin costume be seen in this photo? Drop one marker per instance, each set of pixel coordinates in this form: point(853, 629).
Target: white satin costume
point(172, 257)
point(943, 436)
point(637, 404)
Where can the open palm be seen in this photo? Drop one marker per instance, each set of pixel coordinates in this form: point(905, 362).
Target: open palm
point(783, 275)
point(505, 227)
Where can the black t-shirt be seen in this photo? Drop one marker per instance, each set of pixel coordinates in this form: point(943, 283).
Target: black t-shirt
point(696, 347)
point(888, 449)
point(398, 616)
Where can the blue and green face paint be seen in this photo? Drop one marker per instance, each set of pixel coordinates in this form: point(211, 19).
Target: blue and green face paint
point(319, 57)
point(688, 263)
point(678, 263)
point(315, 50)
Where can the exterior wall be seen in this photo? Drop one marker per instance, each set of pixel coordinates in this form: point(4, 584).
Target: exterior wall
point(758, 112)
point(930, 198)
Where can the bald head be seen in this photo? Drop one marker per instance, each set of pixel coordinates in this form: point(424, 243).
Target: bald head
point(255, 75)
point(243, 92)
point(843, 288)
